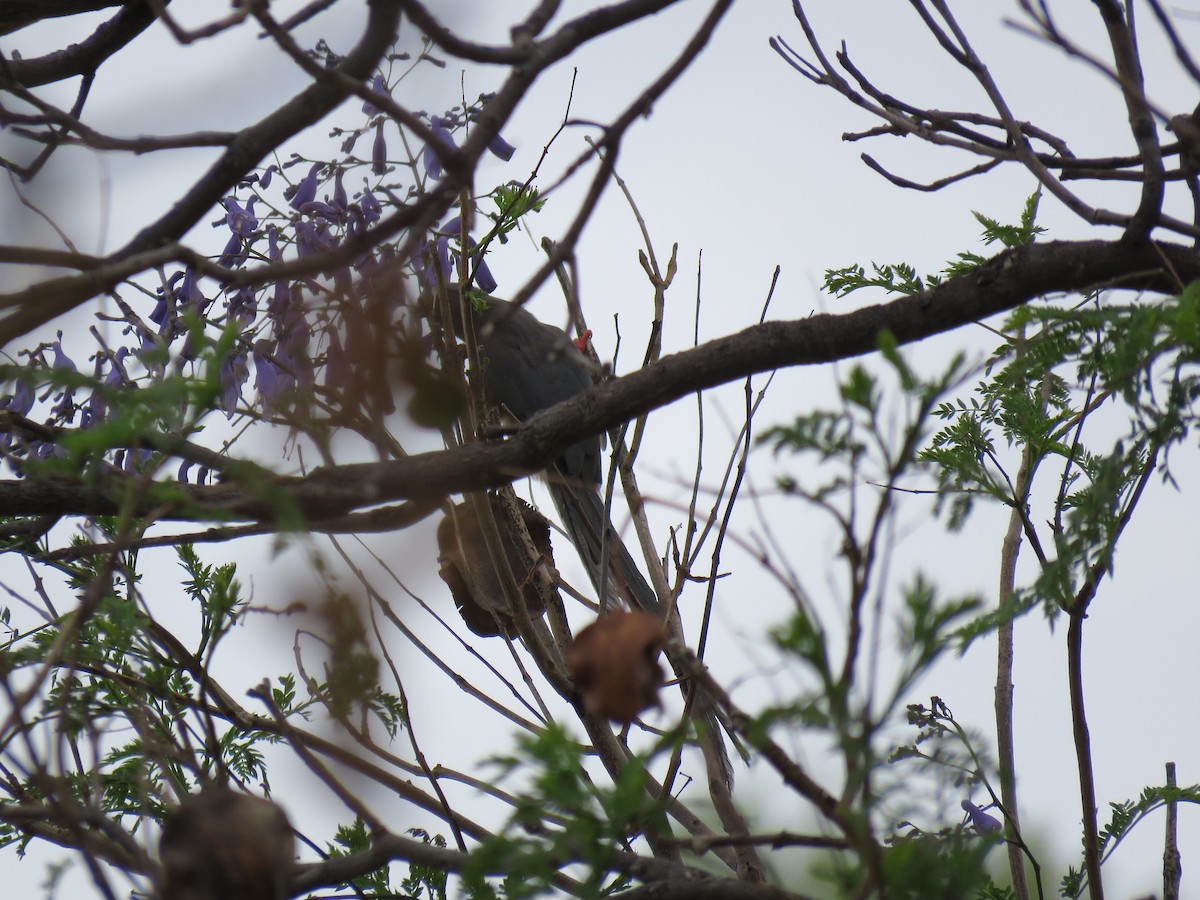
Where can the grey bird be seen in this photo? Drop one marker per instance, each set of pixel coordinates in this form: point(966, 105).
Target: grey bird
point(528, 366)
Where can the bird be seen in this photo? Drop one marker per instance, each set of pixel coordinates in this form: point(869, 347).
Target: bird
point(468, 570)
point(527, 366)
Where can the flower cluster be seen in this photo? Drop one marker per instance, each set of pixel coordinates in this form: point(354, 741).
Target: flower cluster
point(302, 339)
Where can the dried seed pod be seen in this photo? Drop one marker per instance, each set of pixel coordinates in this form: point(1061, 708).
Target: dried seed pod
point(614, 663)
point(468, 570)
point(222, 845)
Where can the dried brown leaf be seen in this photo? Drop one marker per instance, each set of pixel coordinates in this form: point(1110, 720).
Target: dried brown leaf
point(614, 663)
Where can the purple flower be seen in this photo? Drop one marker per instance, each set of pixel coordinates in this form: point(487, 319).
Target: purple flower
point(340, 200)
point(320, 210)
point(288, 353)
point(299, 365)
point(62, 362)
point(241, 220)
point(192, 296)
point(437, 253)
point(264, 180)
point(233, 374)
point(306, 190)
point(186, 466)
point(232, 254)
point(64, 409)
point(378, 86)
point(354, 223)
point(370, 264)
point(159, 315)
point(269, 379)
point(189, 291)
point(241, 308)
point(22, 399)
point(498, 146)
point(280, 301)
point(20, 402)
point(116, 376)
point(96, 406)
point(982, 822)
point(370, 207)
point(379, 150)
point(483, 276)
point(306, 239)
point(429, 157)
point(310, 239)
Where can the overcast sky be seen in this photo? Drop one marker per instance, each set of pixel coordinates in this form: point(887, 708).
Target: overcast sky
point(743, 162)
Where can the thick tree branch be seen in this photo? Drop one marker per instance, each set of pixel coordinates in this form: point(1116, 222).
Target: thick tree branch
point(1003, 283)
point(667, 880)
point(83, 58)
point(15, 14)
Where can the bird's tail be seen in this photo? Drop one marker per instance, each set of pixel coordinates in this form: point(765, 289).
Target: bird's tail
point(581, 510)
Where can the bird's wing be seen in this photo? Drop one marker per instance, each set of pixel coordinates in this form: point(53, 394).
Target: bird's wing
point(530, 366)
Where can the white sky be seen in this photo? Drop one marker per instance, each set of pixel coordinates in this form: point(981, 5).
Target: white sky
point(742, 161)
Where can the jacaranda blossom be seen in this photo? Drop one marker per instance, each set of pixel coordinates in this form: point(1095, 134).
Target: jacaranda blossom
point(22, 399)
point(481, 275)
point(269, 379)
point(64, 409)
point(370, 207)
point(233, 374)
point(240, 219)
point(379, 150)
point(982, 822)
point(429, 157)
point(498, 146)
point(378, 86)
point(306, 190)
point(340, 200)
